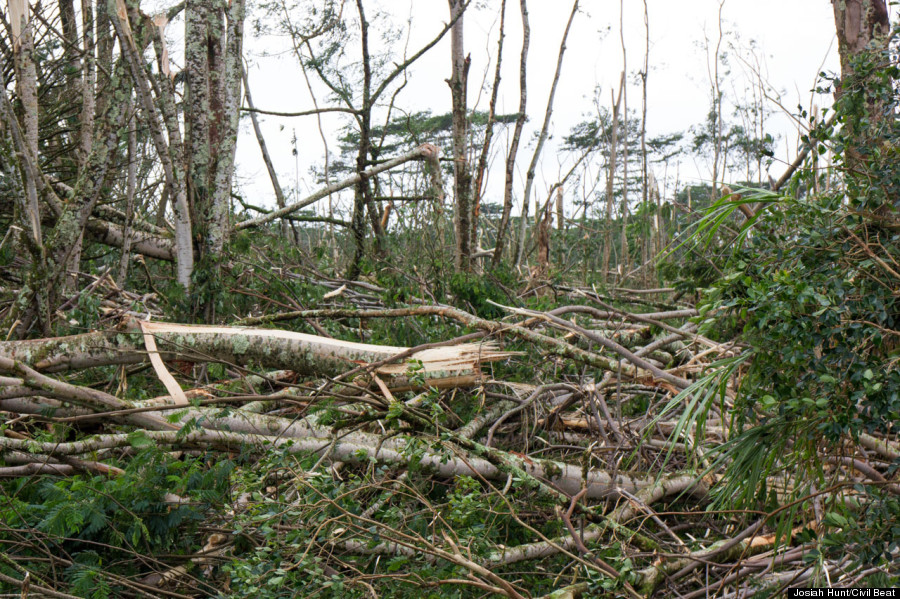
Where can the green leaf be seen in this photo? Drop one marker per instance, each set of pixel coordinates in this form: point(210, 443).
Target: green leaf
point(837, 520)
point(139, 440)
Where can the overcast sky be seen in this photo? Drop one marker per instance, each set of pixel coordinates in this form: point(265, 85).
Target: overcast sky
point(794, 41)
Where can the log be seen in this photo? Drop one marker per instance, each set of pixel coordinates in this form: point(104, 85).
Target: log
point(448, 366)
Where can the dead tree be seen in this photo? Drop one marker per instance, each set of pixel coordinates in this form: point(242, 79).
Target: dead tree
point(517, 135)
point(545, 131)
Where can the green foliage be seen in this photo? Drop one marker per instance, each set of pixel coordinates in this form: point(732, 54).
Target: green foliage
point(99, 520)
point(821, 315)
point(475, 293)
point(870, 531)
point(868, 141)
point(813, 293)
point(276, 530)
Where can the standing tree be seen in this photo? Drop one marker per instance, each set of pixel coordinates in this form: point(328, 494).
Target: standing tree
point(610, 176)
point(462, 175)
point(359, 87)
point(517, 135)
point(214, 39)
point(863, 32)
point(542, 137)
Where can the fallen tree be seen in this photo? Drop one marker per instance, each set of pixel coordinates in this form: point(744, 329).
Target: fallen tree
point(312, 414)
point(451, 365)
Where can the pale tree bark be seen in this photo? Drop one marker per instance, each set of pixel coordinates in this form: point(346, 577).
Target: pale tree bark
point(26, 90)
point(227, 131)
point(213, 46)
point(198, 171)
point(73, 93)
point(13, 152)
point(545, 130)
point(86, 130)
point(104, 51)
point(645, 179)
point(623, 255)
point(197, 117)
point(517, 134)
point(359, 447)
point(481, 168)
point(272, 348)
point(611, 175)
point(27, 226)
point(130, 185)
point(462, 174)
point(40, 294)
point(97, 152)
point(169, 148)
point(280, 200)
point(87, 189)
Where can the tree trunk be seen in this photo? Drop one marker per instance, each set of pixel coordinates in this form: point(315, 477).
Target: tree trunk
point(481, 168)
point(560, 213)
point(269, 348)
point(224, 134)
point(213, 42)
point(26, 90)
point(545, 130)
point(461, 172)
point(861, 25)
point(610, 178)
point(623, 256)
point(362, 198)
point(517, 134)
point(280, 200)
point(169, 149)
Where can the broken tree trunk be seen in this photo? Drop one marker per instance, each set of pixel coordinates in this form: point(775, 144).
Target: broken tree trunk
point(426, 152)
point(268, 348)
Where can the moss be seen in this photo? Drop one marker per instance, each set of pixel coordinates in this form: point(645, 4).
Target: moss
point(551, 469)
point(240, 344)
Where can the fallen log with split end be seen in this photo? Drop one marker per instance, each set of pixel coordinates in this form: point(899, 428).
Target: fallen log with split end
point(447, 366)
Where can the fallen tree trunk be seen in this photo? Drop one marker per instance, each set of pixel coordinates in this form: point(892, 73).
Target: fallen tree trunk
point(550, 344)
point(426, 152)
point(353, 448)
point(269, 348)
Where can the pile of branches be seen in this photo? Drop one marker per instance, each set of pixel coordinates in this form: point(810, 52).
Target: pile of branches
point(556, 452)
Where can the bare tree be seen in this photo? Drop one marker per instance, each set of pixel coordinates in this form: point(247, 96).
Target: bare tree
point(545, 130)
point(481, 167)
point(517, 134)
point(611, 175)
point(623, 254)
point(645, 180)
point(270, 168)
point(715, 91)
point(462, 174)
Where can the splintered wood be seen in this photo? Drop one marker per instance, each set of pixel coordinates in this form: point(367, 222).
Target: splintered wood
point(452, 365)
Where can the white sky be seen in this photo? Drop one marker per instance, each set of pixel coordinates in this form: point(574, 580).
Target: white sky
point(794, 41)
